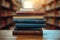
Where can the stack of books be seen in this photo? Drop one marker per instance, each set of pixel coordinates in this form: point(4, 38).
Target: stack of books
point(30, 25)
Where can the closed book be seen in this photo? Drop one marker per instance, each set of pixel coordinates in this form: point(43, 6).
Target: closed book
point(27, 32)
point(30, 21)
point(25, 28)
point(19, 25)
point(28, 18)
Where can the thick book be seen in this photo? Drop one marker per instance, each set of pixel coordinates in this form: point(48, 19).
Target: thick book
point(32, 21)
point(27, 32)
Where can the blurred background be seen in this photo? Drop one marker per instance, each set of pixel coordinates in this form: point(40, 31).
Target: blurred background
point(29, 18)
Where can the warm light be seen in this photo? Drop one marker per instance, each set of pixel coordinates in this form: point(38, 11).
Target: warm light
point(28, 4)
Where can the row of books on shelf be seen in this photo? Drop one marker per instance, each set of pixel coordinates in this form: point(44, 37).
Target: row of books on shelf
point(7, 10)
point(50, 13)
point(57, 4)
point(7, 13)
point(52, 1)
point(5, 23)
point(49, 1)
point(5, 4)
point(52, 19)
point(12, 4)
point(53, 14)
point(54, 5)
point(16, 2)
point(53, 25)
point(54, 22)
point(52, 9)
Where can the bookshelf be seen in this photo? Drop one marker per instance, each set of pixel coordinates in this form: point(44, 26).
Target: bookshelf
point(7, 11)
point(53, 14)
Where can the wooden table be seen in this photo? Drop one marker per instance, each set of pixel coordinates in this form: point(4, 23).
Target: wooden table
point(29, 37)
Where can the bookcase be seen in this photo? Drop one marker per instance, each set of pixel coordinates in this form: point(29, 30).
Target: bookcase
point(52, 14)
point(7, 11)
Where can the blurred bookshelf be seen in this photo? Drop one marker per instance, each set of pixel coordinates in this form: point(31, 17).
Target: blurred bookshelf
point(6, 14)
point(52, 13)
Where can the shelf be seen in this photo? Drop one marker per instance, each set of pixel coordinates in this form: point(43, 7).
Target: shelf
point(5, 8)
point(6, 17)
point(8, 1)
point(57, 0)
point(50, 17)
point(50, 10)
point(50, 24)
point(57, 17)
point(57, 26)
point(51, 3)
point(14, 2)
point(7, 5)
point(53, 14)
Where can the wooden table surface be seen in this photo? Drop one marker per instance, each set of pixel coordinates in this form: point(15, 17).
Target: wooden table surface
point(29, 37)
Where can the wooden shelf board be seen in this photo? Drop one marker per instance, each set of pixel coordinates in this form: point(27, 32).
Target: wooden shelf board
point(5, 8)
point(6, 16)
point(50, 10)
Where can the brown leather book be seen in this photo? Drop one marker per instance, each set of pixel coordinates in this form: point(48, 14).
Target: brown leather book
point(27, 32)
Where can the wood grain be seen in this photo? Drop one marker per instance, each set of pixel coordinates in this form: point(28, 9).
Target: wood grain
point(29, 37)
